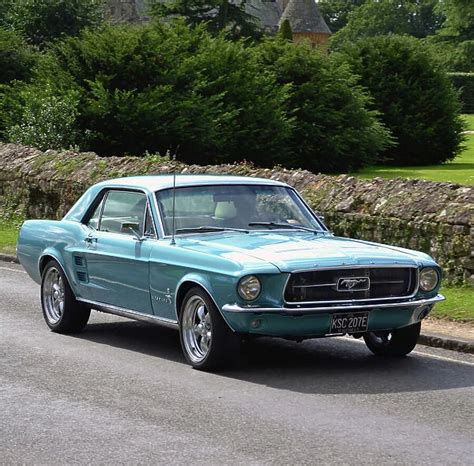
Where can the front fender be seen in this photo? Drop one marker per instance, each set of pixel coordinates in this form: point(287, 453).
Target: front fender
point(220, 291)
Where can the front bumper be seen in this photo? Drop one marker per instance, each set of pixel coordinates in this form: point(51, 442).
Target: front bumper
point(316, 321)
point(345, 307)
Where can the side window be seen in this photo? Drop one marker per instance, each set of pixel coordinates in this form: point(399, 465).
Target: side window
point(123, 211)
point(94, 220)
point(149, 227)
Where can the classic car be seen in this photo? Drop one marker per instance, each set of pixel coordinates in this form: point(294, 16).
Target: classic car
point(223, 258)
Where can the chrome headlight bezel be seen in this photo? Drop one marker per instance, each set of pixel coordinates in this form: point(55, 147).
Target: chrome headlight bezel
point(428, 279)
point(249, 288)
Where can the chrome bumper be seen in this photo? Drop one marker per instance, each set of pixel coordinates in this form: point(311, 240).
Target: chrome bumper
point(322, 309)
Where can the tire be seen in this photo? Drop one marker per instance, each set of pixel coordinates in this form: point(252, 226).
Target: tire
point(61, 311)
point(395, 343)
point(208, 343)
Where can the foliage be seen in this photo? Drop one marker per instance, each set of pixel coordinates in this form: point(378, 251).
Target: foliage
point(42, 21)
point(418, 18)
point(16, 57)
point(464, 83)
point(413, 94)
point(5, 7)
point(454, 43)
point(47, 121)
point(285, 30)
point(218, 15)
point(336, 12)
point(170, 88)
point(459, 22)
point(333, 129)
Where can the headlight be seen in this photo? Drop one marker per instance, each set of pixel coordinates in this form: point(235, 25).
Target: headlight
point(249, 287)
point(428, 279)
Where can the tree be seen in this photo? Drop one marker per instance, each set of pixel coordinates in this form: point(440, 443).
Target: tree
point(333, 130)
point(336, 12)
point(42, 21)
point(219, 15)
point(285, 30)
point(162, 88)
point(413, 95)
point(459, 22)
point(454, 43)
point(418, 18)
point(16, 57)
point(5, 7)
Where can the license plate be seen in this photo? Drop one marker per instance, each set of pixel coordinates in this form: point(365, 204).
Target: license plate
point(350, 322)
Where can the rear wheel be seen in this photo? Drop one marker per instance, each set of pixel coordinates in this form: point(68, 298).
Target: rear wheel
point(398, 342)
point(207, 341)
point(61, 311)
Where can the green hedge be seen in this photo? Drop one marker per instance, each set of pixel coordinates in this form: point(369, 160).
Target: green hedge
point(464, 82)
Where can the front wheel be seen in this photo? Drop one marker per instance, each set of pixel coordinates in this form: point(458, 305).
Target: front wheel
point(61, 311)
point(398, 342)
point(207, 341)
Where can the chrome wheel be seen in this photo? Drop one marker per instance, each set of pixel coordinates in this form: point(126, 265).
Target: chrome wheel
point(53, 295)
point(196, 328)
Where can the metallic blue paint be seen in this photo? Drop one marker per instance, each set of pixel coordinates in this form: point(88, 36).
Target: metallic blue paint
point(146, 276)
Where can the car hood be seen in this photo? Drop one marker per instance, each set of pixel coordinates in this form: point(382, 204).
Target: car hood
point(299, 251)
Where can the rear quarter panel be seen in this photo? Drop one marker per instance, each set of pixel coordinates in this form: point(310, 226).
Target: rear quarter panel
point(41, 238)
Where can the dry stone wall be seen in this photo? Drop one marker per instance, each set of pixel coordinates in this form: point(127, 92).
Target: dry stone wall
point(433, 217)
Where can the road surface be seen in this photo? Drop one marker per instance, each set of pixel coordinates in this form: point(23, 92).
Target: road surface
point(121, 393)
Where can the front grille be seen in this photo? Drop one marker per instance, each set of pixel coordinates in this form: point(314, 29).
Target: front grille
point(351, 284)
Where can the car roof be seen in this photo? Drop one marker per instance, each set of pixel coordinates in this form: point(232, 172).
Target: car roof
point(158, 182)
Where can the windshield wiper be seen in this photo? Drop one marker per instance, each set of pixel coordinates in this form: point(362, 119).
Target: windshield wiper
point(283, 225)
point(210, 228)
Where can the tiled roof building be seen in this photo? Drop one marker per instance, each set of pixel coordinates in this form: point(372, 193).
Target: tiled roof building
point(304, 16)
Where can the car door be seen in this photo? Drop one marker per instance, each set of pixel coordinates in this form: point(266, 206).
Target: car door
point(117, 251)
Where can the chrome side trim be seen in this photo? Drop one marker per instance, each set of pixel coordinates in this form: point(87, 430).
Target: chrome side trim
point(122, 312)
point(349, 301)
point(324, 309)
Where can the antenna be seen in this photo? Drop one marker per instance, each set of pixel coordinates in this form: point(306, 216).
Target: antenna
point(173, 242)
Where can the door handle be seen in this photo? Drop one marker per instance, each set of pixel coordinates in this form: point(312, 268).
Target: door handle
point(90, 239)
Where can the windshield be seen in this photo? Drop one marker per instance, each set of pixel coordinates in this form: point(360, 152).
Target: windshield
point(242, 207)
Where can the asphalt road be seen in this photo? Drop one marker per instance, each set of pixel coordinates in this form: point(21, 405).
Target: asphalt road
point(121, 393)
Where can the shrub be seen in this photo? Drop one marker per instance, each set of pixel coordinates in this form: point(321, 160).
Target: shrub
point(464, 83)
point(16, 57)
point(418, 18)
point(42, 21)
point(47, 120)
point(414, 96)
point(170, 88)
point(179, 90)
point(333, 130)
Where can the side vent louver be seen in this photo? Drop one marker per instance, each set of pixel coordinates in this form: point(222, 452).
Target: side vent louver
point(78, 260)
point(81, 268)
point(82, 276)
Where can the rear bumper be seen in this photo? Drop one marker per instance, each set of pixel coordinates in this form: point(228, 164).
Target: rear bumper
point(316, 321)
point(331, 309)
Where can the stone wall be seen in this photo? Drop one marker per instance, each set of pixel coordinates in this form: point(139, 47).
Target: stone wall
point(433, 217)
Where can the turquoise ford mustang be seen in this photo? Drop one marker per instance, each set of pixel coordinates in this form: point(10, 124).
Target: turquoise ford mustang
point(221, 258)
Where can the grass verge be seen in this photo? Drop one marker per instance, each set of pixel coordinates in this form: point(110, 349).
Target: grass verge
point(8, 237)
point(459, 304)
point(460, 170)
